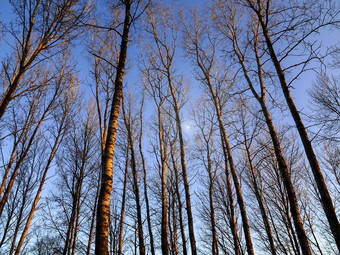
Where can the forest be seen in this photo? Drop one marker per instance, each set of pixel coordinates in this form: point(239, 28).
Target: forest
point(170, 127)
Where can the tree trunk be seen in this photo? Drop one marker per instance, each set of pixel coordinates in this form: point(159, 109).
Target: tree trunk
point(103, 209)
point(278, 152)
point(93, 219)
point(122, 211)
point(326, 200)
point(164, 222)
point(144, 179)
point(180, 205)
point(135, 182)
point(184, 168)
point(227, 148)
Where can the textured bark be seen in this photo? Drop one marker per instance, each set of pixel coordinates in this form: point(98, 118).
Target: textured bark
point(103, 209)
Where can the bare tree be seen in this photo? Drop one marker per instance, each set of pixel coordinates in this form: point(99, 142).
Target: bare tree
point(155, 86)
point(130, 123)
point(162, 28)
point(294, 27)
point(325, 94)
point(39, 28)
point(206, 150)
point(200, 47)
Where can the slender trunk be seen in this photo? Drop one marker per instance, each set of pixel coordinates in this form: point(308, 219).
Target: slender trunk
point(122, 211)
point(227, 148)
point(69, 232)
point(164, 222)
point(10, 163)
point(228, 154)
point(174, 223)
point(326, 200)
point(24, 153)
point(148, 216)
point(171, 233)
point(180, 205)
point(214, 245)
point(93, 219)
point(232, 220)
point(42, 182)
point(103, 209)
point(73, 224)
point(10, 215)
point(18, 224)
point(184, 168)
point(135, 182)
point(259, 199)
point(77, 215)
point(278, 152)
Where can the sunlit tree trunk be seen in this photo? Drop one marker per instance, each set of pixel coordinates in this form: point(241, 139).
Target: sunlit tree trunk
point(103, 209)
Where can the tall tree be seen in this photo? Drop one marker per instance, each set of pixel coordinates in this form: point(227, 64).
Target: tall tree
point(38, 29)
point(294, 27)
point(163, 30)
point(130, 123)
point(201, 48)
point(103, 209)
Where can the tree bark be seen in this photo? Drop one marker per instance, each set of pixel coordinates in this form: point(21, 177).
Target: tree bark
point(103, 209)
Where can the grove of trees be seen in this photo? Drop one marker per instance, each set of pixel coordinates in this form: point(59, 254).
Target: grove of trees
point(170, 127)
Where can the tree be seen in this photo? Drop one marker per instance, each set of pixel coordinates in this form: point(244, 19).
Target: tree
point(206, 154)
point(294, 27)
point(162, 29)
point(39, 29)
point(103, 209)
point(200, 47)
point(129, 125)
point(325, 94)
